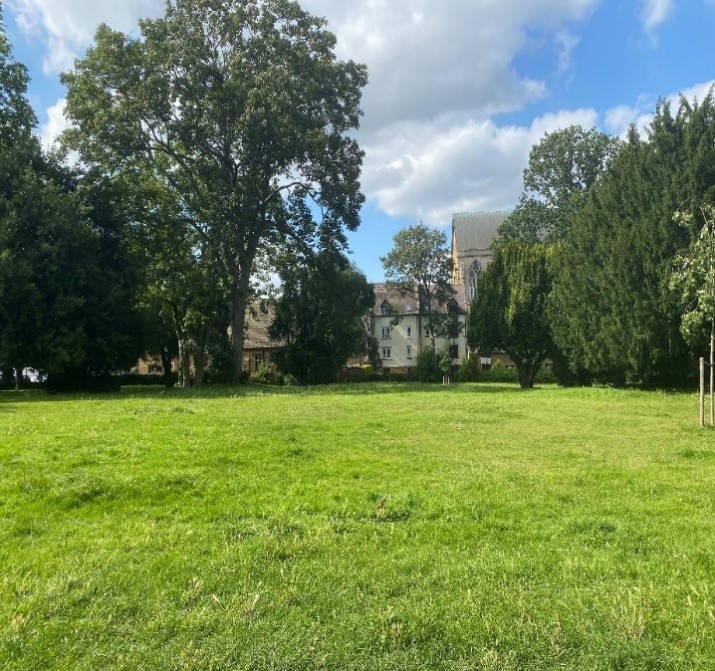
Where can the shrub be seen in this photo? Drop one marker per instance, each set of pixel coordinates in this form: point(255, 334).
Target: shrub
point(469, 370)
point(220, 362)
point(427, 368)
point(499, 373)
point(264, 375)
point(82, 379)
point(288, 380)
point(168, 380)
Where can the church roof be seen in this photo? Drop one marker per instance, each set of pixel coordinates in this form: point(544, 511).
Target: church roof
point(474, 232)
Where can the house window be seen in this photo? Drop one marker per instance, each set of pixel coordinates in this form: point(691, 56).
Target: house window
point(258, 359)
point(409, 352)
point(409, 331)
point(386, 332)
point(454, 351)
point(386, 353)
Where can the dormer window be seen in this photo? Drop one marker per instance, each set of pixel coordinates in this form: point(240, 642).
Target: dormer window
point(385, 308)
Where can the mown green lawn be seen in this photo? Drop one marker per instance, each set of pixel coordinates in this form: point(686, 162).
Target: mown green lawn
point(552, 529)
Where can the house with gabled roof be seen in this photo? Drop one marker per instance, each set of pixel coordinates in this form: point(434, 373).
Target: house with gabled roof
point(258, 346)
point(400, 326)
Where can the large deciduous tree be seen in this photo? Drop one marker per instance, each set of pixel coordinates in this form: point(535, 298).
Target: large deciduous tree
point(562, 167)
point(320, 316)
point(243, 109)
point(420, 266)
point(509, 311)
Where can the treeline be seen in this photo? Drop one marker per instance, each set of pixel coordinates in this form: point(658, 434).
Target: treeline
point(588, 268)
point(214, 152)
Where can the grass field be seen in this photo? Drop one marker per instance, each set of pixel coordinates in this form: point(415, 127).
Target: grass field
point(356, 527)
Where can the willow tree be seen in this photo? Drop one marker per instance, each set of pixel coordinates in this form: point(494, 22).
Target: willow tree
point(242, 107)
point(509, 310)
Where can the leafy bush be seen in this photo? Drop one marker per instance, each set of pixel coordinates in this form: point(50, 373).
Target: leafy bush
point(288, 380)
point(264, 375)
point(499, 373)
point(220, 366)
point(469, 370)
point(82, 379)
point(427, 368)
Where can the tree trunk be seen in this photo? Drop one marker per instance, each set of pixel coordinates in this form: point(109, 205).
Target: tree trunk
point(18, 377)
point(527, 373)
point(239, 304)
point(166, 365)
point(185, 363)
point(200, 354)
point(199, 367)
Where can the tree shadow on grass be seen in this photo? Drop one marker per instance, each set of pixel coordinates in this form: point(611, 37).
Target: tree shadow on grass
point(10, 399)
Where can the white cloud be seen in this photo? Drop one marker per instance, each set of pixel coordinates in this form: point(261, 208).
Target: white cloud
point(68, 26)
point(437, 78)
point(566, 43)
point(426, 172)
point(619, 118)
point(654, 13)
point(55, 124)
point(423, 59)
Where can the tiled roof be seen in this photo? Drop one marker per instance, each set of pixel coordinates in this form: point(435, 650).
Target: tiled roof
point(474, 232)
point(408, 304)
point(258, 320)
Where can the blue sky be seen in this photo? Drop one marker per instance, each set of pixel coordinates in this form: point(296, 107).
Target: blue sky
point(459, 90)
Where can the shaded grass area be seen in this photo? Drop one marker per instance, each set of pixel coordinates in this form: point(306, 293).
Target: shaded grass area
point(356, 527)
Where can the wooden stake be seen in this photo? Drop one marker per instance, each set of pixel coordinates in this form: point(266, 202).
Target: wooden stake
point(702, 392)
point(712, 372)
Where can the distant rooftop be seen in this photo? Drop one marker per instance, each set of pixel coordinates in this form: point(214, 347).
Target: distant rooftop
point(474, 232)
point(408, 304)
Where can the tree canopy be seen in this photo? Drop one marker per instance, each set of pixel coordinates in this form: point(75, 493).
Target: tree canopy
point(320, 317)
point(613, 310)
point(419, 265)
point(66, 285)
point(242, 108)
point(563, 166)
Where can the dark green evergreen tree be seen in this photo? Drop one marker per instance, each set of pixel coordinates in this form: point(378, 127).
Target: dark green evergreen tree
point(66, 287)
point(320, 317)
point(613, 311)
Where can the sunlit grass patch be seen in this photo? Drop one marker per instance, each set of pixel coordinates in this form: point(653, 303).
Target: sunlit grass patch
point(356, 527)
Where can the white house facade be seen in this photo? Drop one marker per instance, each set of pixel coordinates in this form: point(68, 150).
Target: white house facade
point(400, 326)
